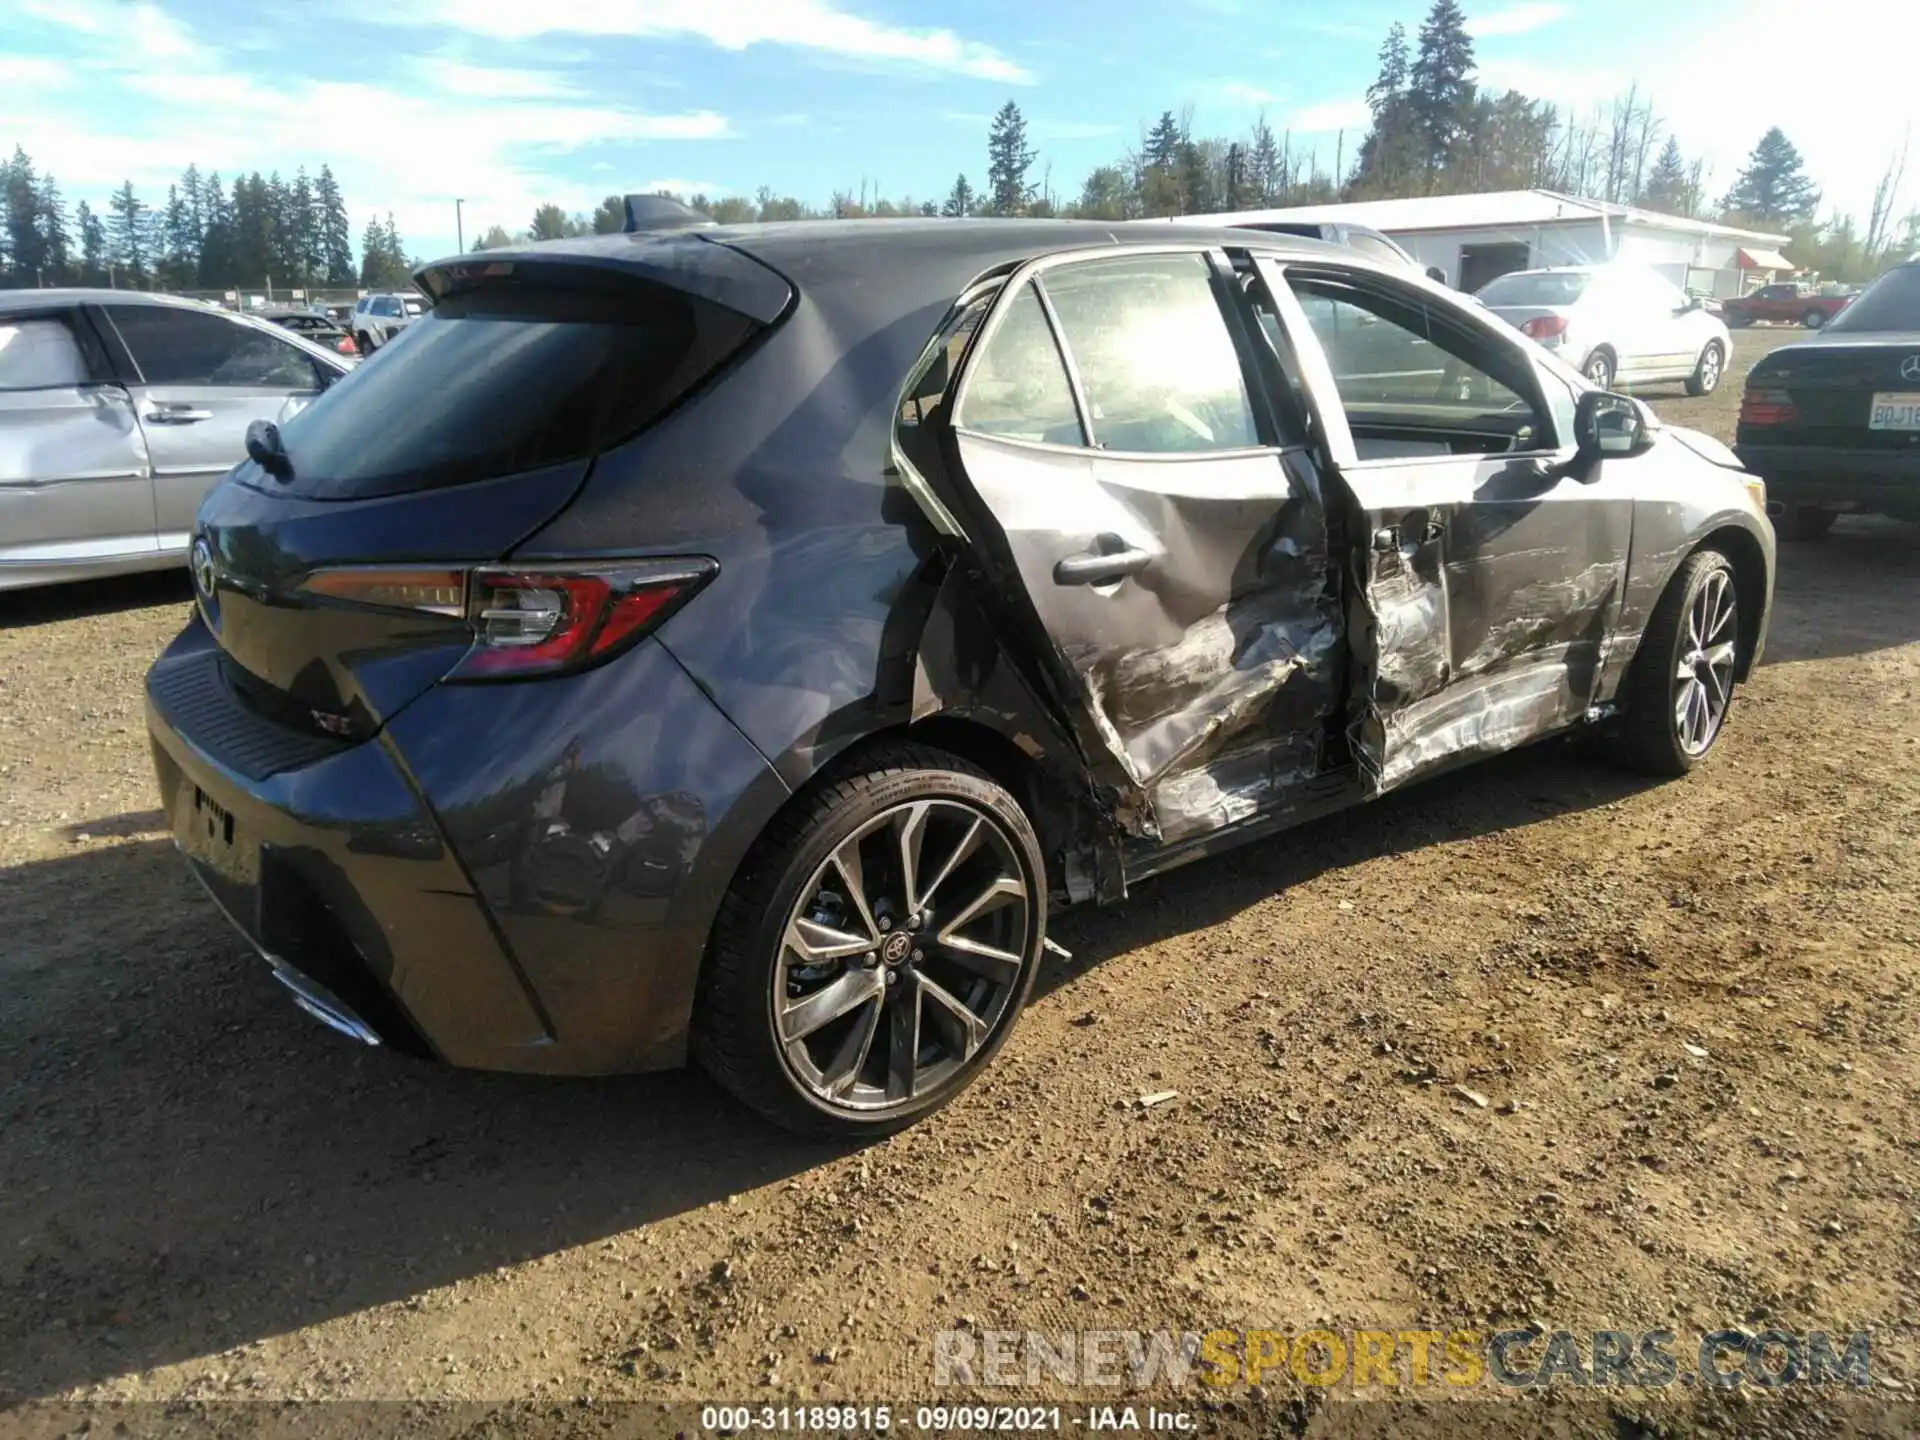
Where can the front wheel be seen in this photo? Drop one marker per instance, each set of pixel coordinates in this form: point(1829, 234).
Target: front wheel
point(1814, 319)
point(1677, 693)
point(1706, 374)
point(363, 341)
point(876, 948)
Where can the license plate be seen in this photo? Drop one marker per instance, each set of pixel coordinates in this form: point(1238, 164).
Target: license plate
point(209, 834)
point(1895, 410)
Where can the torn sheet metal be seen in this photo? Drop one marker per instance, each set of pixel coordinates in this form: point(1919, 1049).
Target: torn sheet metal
point(1211, 674)
point(1483, 618)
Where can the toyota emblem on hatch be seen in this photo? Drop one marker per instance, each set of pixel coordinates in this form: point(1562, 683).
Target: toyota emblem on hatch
point(1910, 368)
point(202, 566)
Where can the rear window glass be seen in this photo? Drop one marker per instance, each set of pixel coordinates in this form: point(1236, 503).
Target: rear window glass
point(1891, 303)
point(506, 379)
point(1375, 247)
point(1536, 289)
point(39, 355)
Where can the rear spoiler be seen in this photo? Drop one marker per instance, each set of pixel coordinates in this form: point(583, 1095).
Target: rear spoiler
point(653, 213)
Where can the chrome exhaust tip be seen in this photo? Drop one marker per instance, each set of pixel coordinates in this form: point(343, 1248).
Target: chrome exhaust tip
point(321, 1003)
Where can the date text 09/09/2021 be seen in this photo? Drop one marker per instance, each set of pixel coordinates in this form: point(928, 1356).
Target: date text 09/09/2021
point(938, 1419)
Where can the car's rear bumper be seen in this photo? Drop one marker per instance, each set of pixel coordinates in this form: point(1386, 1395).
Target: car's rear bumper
point(1835, 477)
point(508, 877)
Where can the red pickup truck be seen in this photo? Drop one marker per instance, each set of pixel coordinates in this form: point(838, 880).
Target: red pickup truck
point(1795, 304)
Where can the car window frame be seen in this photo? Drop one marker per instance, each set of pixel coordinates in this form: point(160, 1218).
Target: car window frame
point(1271, 440)
point(1322, 391)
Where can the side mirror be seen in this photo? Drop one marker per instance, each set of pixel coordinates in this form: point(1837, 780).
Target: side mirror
point(1436, 274)
point(1605, 424)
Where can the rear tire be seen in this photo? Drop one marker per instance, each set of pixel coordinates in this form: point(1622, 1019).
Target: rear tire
point(1706, 374)
point(1671, 720)
point(850, 908)
point(1814, 319)
point(1600, 369)
point(1805, 523)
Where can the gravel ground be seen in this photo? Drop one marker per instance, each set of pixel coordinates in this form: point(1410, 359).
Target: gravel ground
point(1535, 1042)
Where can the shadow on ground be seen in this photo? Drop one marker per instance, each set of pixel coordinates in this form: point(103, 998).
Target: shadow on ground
point(1851, 593)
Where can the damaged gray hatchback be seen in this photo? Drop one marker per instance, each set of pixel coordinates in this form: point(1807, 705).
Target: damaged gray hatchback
point(847, 598)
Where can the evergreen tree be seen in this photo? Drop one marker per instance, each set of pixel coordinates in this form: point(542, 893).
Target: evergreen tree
point(960, 200)
point(1009, 157)
point(1440, 88)
point(373, 246)
point(192, 190)
point(1666, 187)
point(611, 217)
point(26, 248)
point(1772, 190)
point(93, 243)
point(1163, 168)
point(177, 264)
point(336, 231)
point(56, 243)
point(396, 252)
point(1392, 153)
point(1263, 165)
point(309, 243)
point(218, 268)
point(129, 243)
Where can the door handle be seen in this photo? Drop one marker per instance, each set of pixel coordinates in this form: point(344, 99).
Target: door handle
point(1111, 560)
point(176, 415)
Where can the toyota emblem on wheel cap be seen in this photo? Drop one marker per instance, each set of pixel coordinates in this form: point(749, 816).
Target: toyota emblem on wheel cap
point(1910, 368)
point(202, 567)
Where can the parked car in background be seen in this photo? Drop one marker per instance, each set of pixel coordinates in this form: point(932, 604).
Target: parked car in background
point(1832, 422)
point(1789, 302)
point(314, 325)
point(117, 411)
point(751, 636)
point(1616, 324)
point(378, 318)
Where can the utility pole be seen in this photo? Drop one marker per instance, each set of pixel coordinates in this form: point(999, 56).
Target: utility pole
point(459, 231)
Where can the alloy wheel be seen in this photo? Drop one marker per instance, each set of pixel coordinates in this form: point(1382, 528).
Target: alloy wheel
point(1600, 371)
point(901, 956)
point(1703, 678)
point(1710, 370)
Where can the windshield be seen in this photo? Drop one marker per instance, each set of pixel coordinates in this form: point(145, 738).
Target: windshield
point(1536, 287)
point(1891, 303)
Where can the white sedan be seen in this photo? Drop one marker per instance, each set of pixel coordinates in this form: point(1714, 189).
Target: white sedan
point(1617, 324)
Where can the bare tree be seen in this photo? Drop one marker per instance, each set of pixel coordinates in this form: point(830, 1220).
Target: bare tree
point(1886, 195)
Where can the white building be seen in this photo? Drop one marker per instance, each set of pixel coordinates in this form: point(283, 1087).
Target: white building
point(1473, 238)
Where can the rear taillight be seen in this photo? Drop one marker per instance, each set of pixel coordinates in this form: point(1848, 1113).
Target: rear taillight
point(529, 621)
point(1544, 327)
point(1767, 407)
point(536, 622)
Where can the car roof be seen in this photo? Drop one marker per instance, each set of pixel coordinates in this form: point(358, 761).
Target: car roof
point(28, 302)
point(903, 251)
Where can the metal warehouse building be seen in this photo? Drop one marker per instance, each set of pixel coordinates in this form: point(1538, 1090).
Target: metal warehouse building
point(1473, 238)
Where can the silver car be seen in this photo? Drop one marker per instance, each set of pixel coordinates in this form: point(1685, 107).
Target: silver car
point(1618, 324)
point(118, 411)
point(378, 318)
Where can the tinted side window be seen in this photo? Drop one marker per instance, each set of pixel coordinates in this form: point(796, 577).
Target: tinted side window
point(39, 355)
point(185, 347)
point(1375, 248)
point(1156, 360)
point(1019, 387)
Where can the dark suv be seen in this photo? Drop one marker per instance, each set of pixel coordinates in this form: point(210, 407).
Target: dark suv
point(740, 641)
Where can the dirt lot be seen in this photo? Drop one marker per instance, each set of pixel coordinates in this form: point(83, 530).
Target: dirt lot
point(1690, 1011)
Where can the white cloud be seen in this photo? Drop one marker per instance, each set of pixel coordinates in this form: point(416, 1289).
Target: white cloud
point(730, 24)
point(31, 72)
point(1241, 91)
point(1331, 116)
point(488, 83)
point(1516, 19)
point(488, 136)
point(143, 27)
point(685, 189)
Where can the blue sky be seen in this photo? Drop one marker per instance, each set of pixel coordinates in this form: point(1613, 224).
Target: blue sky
point(506, 103)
